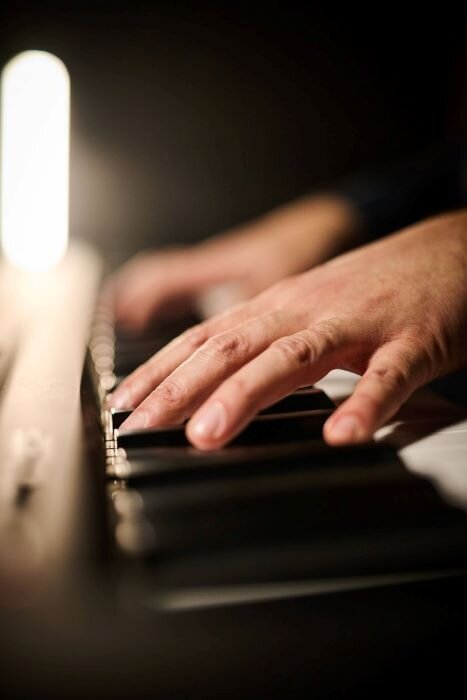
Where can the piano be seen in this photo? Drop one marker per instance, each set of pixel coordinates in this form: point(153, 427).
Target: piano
point(136, 566)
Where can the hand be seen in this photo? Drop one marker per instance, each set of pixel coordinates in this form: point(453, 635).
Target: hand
point(394, 311)
point(233, 266)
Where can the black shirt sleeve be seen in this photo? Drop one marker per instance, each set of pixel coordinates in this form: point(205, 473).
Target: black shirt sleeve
point(408, 191)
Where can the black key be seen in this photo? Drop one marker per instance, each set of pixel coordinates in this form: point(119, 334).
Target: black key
point(164, 463)
point(263, 430)
point(131, 350)
point(294, 507)
point(309, 399)
point(119, 416)
point(354, 552)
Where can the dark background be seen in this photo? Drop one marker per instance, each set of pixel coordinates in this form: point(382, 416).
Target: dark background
point(192, 117)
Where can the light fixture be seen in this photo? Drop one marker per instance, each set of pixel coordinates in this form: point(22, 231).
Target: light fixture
point(35, 135)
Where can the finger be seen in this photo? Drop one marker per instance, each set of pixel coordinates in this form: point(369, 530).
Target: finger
point(139, 299)
point(138, 385)
point(146, 286)
point(191, 383)
point(291, 361)
point(132, 288)
point(394, 372)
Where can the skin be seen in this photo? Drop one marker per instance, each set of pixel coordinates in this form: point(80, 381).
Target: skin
point(233, 266)
point(394, 311)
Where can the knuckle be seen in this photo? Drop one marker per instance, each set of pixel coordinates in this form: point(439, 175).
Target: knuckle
point(295, 348)
point(393, 378)
point(431, 350)
point(170, 392)
point(307, 346)
point(329, 332)
point(227, 346)
point(413, 342)
point(195, 336)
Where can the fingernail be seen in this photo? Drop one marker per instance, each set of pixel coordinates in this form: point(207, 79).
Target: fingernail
point(346, 429)
point(120, 399)
point(137, 421)
point(210, 422)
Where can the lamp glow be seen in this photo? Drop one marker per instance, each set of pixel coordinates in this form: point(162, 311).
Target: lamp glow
point(35, 160)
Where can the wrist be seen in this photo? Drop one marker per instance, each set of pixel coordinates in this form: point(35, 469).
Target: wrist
point(317, 227)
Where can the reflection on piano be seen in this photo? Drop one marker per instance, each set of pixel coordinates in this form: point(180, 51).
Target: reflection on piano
point(144, 566)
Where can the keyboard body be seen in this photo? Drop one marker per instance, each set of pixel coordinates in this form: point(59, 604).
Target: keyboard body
point(138, 567)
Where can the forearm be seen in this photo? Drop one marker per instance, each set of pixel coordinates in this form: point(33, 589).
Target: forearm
point(365, 206)
point(318, 227)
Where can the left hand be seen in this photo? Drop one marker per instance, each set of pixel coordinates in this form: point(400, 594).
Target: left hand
point(394, 311)
point(235, 265)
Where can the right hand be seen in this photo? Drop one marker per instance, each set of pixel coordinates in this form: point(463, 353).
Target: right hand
point(394, 311)
point(235, 266)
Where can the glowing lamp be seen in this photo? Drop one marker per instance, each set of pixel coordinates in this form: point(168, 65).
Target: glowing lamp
point(35, 135)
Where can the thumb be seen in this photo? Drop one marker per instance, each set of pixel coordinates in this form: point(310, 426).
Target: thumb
point(393, 374)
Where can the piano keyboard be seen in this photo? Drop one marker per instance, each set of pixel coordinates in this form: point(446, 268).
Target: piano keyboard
point(276, 505)
point(140, 565)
